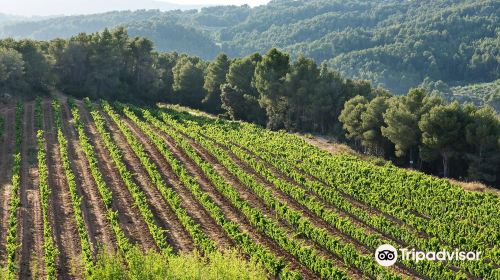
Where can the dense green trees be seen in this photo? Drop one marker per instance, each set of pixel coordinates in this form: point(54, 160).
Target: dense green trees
point(188, 81)
point(24, 67)
point(395, 44)
point(214, 78)
point(371, 122)
point(401, 122)
point(351, 117)
point(11, 71)
point(453, 140)
point(108, 64)
point(442, 130)
point(482, 136)
point(418, 130)
point(270, 75)
point(239, 97)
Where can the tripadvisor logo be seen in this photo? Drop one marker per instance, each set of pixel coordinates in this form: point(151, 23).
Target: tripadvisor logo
point(387, 255)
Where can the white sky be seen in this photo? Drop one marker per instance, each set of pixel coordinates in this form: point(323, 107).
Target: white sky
point(71, 7)
point(216, 2)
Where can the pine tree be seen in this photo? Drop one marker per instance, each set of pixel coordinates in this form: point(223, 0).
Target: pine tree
point(483, 135)
point(270, 76)
point(443, 129)
point(214, 78)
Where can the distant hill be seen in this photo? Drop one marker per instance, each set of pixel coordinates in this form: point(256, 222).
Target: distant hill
point(9, 19)
point(479, 94)
point(81, 7)
point(393, 43)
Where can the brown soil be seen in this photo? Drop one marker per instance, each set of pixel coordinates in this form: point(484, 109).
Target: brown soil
point(133, 225)
point(6, 152)
point(328, 144)
point(61, 212)
point(194, 209)
point(30, 233)
point(94, 212)
point(177, 236)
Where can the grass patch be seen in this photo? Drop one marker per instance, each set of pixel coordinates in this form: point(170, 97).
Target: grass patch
point(154, 266)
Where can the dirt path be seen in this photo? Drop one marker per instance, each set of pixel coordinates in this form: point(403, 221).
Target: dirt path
point(132, 223)
point(328, 144)
point(177, 236)
point(94, 212)
point(230, 212)
point(6, 152)
point(30, 215)
point(194, 209)
point(61, 209)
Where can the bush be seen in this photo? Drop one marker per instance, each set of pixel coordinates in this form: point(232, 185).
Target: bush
point(155, 266)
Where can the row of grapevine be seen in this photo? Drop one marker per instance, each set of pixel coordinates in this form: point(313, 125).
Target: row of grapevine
point(173, 199)
point(454, 234)
point(309, 257)
point(50, 250)
point(317, 163)
point(76, 199)
point(38, 113)
point(15, 200)
point(481, 268)
point(275, 266)
point(122, 241)
point(301, 224)
point(381, 223)
point(140, 200)
point(317, 207)
point(429, 204)
point(470, 210)
point(229, 133)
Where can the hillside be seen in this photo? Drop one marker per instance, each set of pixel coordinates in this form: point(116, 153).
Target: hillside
point(81, 7)
point(395, 44)
point(479, 94)
point(89, 175)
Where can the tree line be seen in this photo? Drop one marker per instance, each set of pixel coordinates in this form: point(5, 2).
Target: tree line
point(419, 130)
point(425, 132)
point(395, 44)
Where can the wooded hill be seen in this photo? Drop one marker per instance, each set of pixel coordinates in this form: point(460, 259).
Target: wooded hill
point(395, 44)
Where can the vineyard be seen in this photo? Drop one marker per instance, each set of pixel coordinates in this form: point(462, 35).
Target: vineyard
point(78, 178)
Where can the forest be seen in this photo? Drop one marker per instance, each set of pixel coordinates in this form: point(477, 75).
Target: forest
point(420, 130)
point(394, 44)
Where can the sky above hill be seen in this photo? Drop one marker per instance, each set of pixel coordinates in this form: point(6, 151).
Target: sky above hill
point(252, 3)
point(74, 7)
